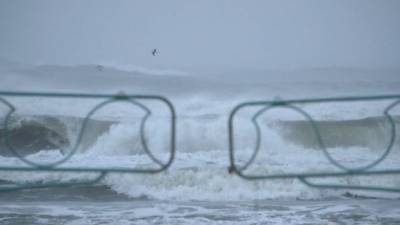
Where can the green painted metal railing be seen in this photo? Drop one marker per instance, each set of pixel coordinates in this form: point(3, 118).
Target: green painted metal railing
point(31, 166)
point(138, 101)
point(367, 170)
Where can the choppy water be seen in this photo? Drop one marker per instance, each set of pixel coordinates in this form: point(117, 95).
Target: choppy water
point(198, 188)
point(83, 206)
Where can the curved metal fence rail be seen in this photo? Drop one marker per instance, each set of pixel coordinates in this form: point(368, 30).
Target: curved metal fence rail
point(31, 166)
point(305, 177)
point(137, 101)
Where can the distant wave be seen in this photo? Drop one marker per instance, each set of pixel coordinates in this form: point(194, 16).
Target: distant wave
point(144, 70)
point(112, 66)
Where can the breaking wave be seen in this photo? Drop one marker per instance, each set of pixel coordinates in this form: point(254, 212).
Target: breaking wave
point(199, 171)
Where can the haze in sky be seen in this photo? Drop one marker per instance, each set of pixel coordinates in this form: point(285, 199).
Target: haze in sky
point(203, 34)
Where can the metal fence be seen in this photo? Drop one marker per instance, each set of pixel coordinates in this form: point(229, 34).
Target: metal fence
point(367, 170)
point(31, 166)
point(138, 101)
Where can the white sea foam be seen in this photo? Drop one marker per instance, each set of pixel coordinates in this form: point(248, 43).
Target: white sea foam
point(203, 174)
point(200, 169)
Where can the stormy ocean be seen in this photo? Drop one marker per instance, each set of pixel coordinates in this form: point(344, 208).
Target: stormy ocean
point(69, 69)
point(197, 188)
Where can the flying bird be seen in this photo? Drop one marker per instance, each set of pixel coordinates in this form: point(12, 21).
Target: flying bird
point(154, 52)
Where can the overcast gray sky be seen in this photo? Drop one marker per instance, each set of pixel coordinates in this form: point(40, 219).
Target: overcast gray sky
point(203, 33)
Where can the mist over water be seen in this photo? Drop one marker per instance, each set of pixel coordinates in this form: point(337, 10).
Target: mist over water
point(206, 57)
point(355, 133)
point(203, 35)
